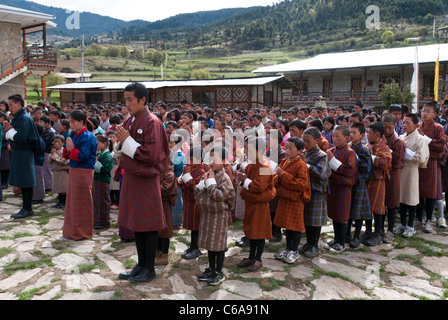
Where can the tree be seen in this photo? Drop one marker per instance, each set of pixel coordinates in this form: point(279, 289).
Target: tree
point(124, 52)
point(200, 74)
point(388, 37)
point(53, 80)
point(392, 94)
point(113, 51)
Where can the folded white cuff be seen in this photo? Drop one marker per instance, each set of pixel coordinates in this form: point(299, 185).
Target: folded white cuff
point(186, 177)
point(130, 147)
point(10, 134)
point(201, 185)
point(409, 154)
point(210, 182)
point(247, 182)
point(335, 164)
point(243, 165)
point(373, 158)
point(308, 165)
point(428, 139)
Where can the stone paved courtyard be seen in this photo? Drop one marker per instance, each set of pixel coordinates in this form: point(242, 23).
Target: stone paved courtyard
point(36, 263)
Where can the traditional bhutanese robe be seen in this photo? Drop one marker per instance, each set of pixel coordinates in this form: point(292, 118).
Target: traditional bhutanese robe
point(192, 212)
point(60, 167)
point(437, 144)
point(360, 207)
point(145, 157)
point(382, 162)
point(344, 174)
point(294, 190)
point(257, 191)
point(315, 211)
point(323, 144)
point(393, 181)
point(417, 156)
point(216, 198)
point(169, 196)
point(281, 154)
point(329, 137)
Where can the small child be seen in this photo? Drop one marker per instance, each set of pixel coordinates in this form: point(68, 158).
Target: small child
point(215, 196)
point(169, 196)
point(343, 163)
point(60, 167)
point(315, 212)
point(178, 160)
point(64, 129)
point(190, 178)
point(101, 181)
point(258, 189)
point(292, 182)
point(114, 186)
point(428, 177)
point(382, 161)
point(398, 149)
point(39, 160)
point(328, 129)
point(48, 137)
point(416, 156)
point(360, 207)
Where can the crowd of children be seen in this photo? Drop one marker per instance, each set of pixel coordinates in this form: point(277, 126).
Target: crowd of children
point(280, 171)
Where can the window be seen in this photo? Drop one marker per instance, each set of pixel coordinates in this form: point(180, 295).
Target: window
point(205, 97)
point(428, 85)
point(357, 88)
point(268, 99)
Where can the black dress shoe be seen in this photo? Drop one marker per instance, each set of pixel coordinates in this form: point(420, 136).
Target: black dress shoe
point(312, 252)
point(24, 214)
point(243, 243)
point(18, 213)
point(144, 276)
point(133, 273)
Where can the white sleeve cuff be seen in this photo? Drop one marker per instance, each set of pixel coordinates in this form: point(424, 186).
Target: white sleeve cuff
point(10, 134)
point(130, 147)
point(308, 165)
point(210, 182)
point(409, 154)
point(186, 177)
point(243, 165)
point(201, 185)
point(373, 158)
point(335, 164)
point(247, 182)
point(428, 139)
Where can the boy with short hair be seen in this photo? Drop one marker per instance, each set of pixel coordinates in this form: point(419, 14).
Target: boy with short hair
point(296, 128)
point(428, 178)
point(190, 178)
point(342, 160)
point(360, 206)
point(215, 195)
point(416, 156)
point(398, 149)
point(382, 161)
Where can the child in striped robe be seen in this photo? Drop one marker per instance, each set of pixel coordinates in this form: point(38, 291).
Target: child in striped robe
point(360, 207)
point(215, 195)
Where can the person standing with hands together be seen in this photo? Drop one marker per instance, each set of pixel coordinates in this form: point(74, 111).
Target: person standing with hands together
point(145, 157)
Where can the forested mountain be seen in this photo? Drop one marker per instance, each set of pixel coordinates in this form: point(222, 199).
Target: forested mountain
point(295, 22)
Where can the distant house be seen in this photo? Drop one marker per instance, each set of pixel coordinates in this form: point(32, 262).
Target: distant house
point(443, 32)
point(346, 77)
point(75, 77)
point(236, 92)
point(17, 60)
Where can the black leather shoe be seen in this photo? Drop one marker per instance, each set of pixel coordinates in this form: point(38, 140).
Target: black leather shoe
point(244, 242)
point(355, 243)
point(133, 273)
point(24, 214)
point(312, 252)
point(144, 276)
point(18, 213)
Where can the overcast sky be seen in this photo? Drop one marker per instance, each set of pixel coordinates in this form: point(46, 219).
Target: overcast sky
point(150, 10)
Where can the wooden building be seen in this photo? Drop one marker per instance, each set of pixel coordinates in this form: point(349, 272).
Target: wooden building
point(235, 92)
point(346, 77)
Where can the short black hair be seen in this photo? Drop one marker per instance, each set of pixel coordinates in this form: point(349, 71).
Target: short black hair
point(59, 137)
point(139, 91)
point(313, 131)
point(360, 127)
point(298, 142)
point(317, 123)
point(17, 98)
point(357, 115)
point(389, 118)
point(343, 129)
point(377, 127)
point(413, 117)
point(395, 107)
point(298, 124)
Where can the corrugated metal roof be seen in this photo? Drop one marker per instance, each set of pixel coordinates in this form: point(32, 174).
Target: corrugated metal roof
point(26, 18)
point(362, 59)
point(255, 81)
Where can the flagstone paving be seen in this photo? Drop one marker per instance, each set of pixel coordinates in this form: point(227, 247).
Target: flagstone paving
point(37, 263)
